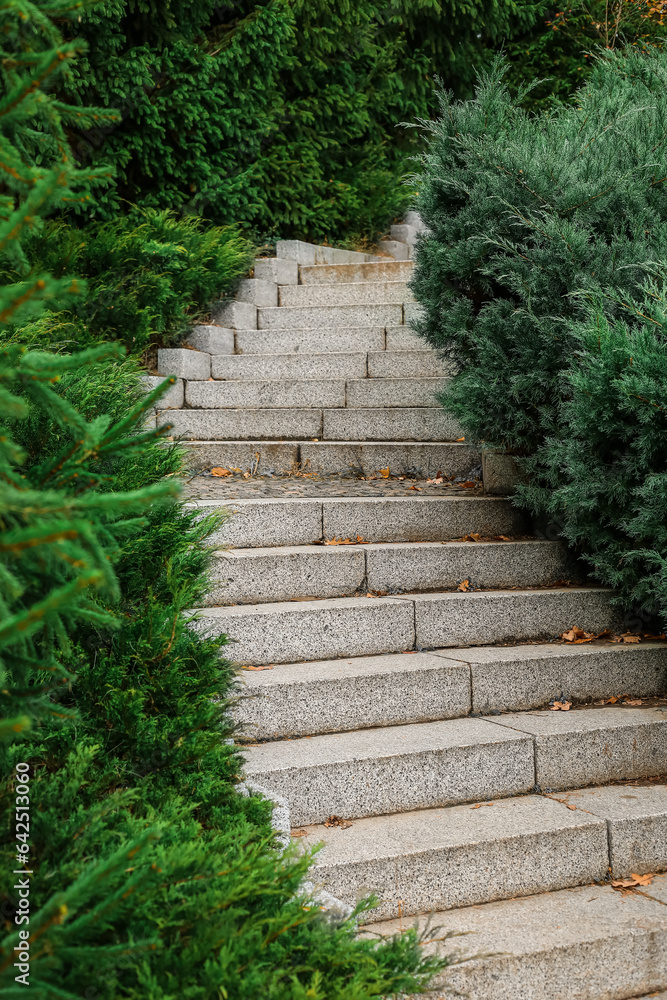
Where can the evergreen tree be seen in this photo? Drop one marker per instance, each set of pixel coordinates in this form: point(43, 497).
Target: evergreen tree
point(279, 115)
point(536, 281)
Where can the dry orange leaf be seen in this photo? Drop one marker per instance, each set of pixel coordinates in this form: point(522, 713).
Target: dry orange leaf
point(337, 821)
point(385, 473)
point(220, 472)
point(561, 706)
point(632, 882)
point(481, 805)
point(631, 638)
point(577, 635)
point(460, 439)
point(344, 541)
point(464, 586)
point(637, 701)
point(472, 537)
point(259, 668)
point(299, 833)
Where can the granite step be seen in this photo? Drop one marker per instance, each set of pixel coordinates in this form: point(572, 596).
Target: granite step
point(328, 365)
point(342, 294)
point(290, 572)
point(318, 340)
point(286, 632)
point(297, 393)
point(334, 274)
point(300, 520)
point(305, 699)
point(417, 459)
point(461, 855)
point(431, 424)
point(588, 943)
point(329, 317)
point(398, 769)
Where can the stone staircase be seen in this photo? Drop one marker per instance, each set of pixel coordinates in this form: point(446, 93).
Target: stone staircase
point(403, 690)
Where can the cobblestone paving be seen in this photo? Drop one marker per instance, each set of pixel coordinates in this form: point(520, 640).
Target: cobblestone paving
point(205, 486)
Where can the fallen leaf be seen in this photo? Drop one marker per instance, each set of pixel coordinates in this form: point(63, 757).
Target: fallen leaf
point(385, 473)
point(258, 668)
point(464, 586)
point(220, 472)
point(337, 821)
point(468, 486)
point(472, 537)
point(561, 706)
point(577, 635)
point(299, 833)
point(344, 541)
point(637, 701)
point(481, 805)
point(418, 488)
point(632, 882)
point(460, 439)
point(631, 638)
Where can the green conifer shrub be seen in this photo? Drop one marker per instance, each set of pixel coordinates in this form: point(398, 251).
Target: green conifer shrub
point(278, 115)
point(150, 277)
point(544, 232)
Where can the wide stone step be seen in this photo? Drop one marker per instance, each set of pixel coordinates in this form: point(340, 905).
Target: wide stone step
point(258, 575)
point(421, 459)
point(334, 274)
point(589, 943)
point(301, 699)
point(397, 769)
point(431, 424)
point(415, 862)
point(404, 338)
point(327, 317)
point(315, 392)
point(407, 364)
point(330, 365)
point(300, 521)
point(286, 632)
point(316, 341)
point(341, 294)
point(400, 768)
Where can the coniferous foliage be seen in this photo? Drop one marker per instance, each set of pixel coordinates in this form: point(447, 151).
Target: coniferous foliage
point(278, 115)
point(544, 233)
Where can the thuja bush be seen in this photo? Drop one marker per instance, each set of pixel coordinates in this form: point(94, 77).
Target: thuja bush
point(279, 115)
point(150, 276)
point(544, 230)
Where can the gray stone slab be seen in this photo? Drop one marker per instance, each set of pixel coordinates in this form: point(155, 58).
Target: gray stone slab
point(392, 769)
point(212, 339)
point(415, 220)
point(404, 234)
point(285, 573)
point(311, 253)
point(484, 617)
point(414, 566)
point(395, 391)
point(594, 745)
point(278, 270)
point(334, 274)
point(291, 393)
point(309, 317)
point(522, 677)
point(183, 363)
point(249, 456)
point(290, 366)
point(315, 341)
point(461, 856)
point(424, 519)
point(235, 315)
point(422, 423)
point(237, 424)
point(407, 364)
point(297, 699)
point(404, 338)
point(413, 312)
point(258, 291)
point(172, 397)
point(262, 522)
point(342, 294)
point(637, 821)
point(589, 943)
point(287, 632)
point(422, 459)
point(394, 248)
